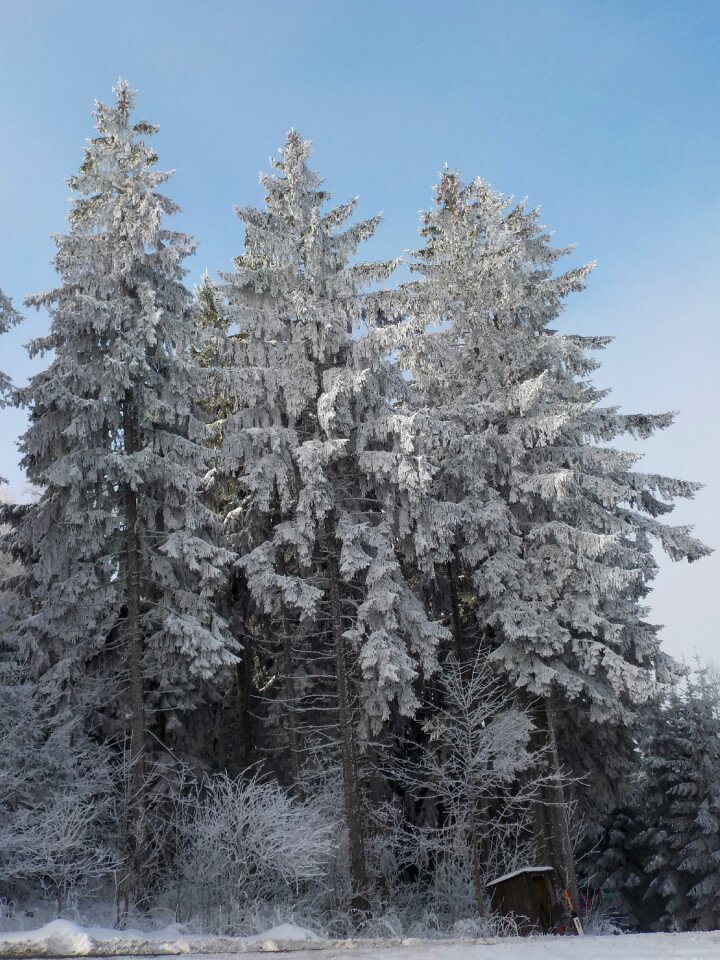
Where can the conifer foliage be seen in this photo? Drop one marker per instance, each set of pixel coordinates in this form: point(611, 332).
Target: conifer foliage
point(325, 572)
point(551, 524)
point(660, 856)
point(123, 567)
point(681, 807)
point(327, 469)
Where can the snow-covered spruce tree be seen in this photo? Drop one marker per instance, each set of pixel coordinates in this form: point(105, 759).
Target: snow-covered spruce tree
point(328, 476)
point(701, 854)
point(680, 807)
point(122, 559)
point(667, 809)
point(618, 866)
point(553, 526)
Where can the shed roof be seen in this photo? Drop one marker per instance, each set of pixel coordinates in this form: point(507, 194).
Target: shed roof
point(517, 873)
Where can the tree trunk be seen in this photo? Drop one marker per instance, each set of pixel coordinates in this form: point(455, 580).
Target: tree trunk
point(552, 830)
point(290, 692)
point(244, 673)
point(353, 810)
point(476, 841)
point(137, 779)
point(561, 840)
point(237, 614)
point(542, 828)
point(458, 637)
point(290, 700)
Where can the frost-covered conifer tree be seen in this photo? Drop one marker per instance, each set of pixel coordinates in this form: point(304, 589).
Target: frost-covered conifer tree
point(123, 565)
point(328, 475)
point(619, 869)
point(680, 806)
point(553, 526)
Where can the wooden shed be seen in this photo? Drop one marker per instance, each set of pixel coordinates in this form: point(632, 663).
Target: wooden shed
point(529, 894)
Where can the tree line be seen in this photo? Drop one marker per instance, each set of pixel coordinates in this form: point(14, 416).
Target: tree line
point(333, 594)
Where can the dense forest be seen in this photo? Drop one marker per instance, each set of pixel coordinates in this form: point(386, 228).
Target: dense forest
point(332, 602)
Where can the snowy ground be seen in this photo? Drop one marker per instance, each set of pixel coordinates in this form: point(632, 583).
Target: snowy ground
point(64, 939)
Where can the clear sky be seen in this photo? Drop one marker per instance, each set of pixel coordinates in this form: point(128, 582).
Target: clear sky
point(604, 112)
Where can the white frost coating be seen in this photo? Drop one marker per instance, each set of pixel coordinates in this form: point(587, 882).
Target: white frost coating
point(322, 463)
point(677, 819)
point(248, 841)
point(124, 342)
point(553, 527)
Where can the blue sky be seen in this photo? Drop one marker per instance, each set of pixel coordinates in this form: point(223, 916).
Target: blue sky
point(604, 113)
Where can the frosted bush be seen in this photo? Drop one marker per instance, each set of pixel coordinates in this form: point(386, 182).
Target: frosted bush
point(56, 847)
point(245, 841)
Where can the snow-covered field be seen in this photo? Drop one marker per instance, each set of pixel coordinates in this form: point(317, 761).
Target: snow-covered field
point(64, 939)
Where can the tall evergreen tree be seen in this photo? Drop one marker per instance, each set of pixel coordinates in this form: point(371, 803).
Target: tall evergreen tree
point(553, 526)
point(124, 567)
point(619, 870)
point(328, 476)
point(680, 807)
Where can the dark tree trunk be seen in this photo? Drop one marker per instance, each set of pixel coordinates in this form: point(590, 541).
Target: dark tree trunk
point(244, 674)
point(290, 692)
point(551, 825)
point(562, 842)
point(237, 614)
point(290, 703)
point(457, 627)
point(351, 791)
point(137, 802)
point(476, 839)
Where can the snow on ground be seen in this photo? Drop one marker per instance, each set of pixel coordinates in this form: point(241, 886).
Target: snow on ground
point(658, 946)
point(61, 938)
point(285, 931)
